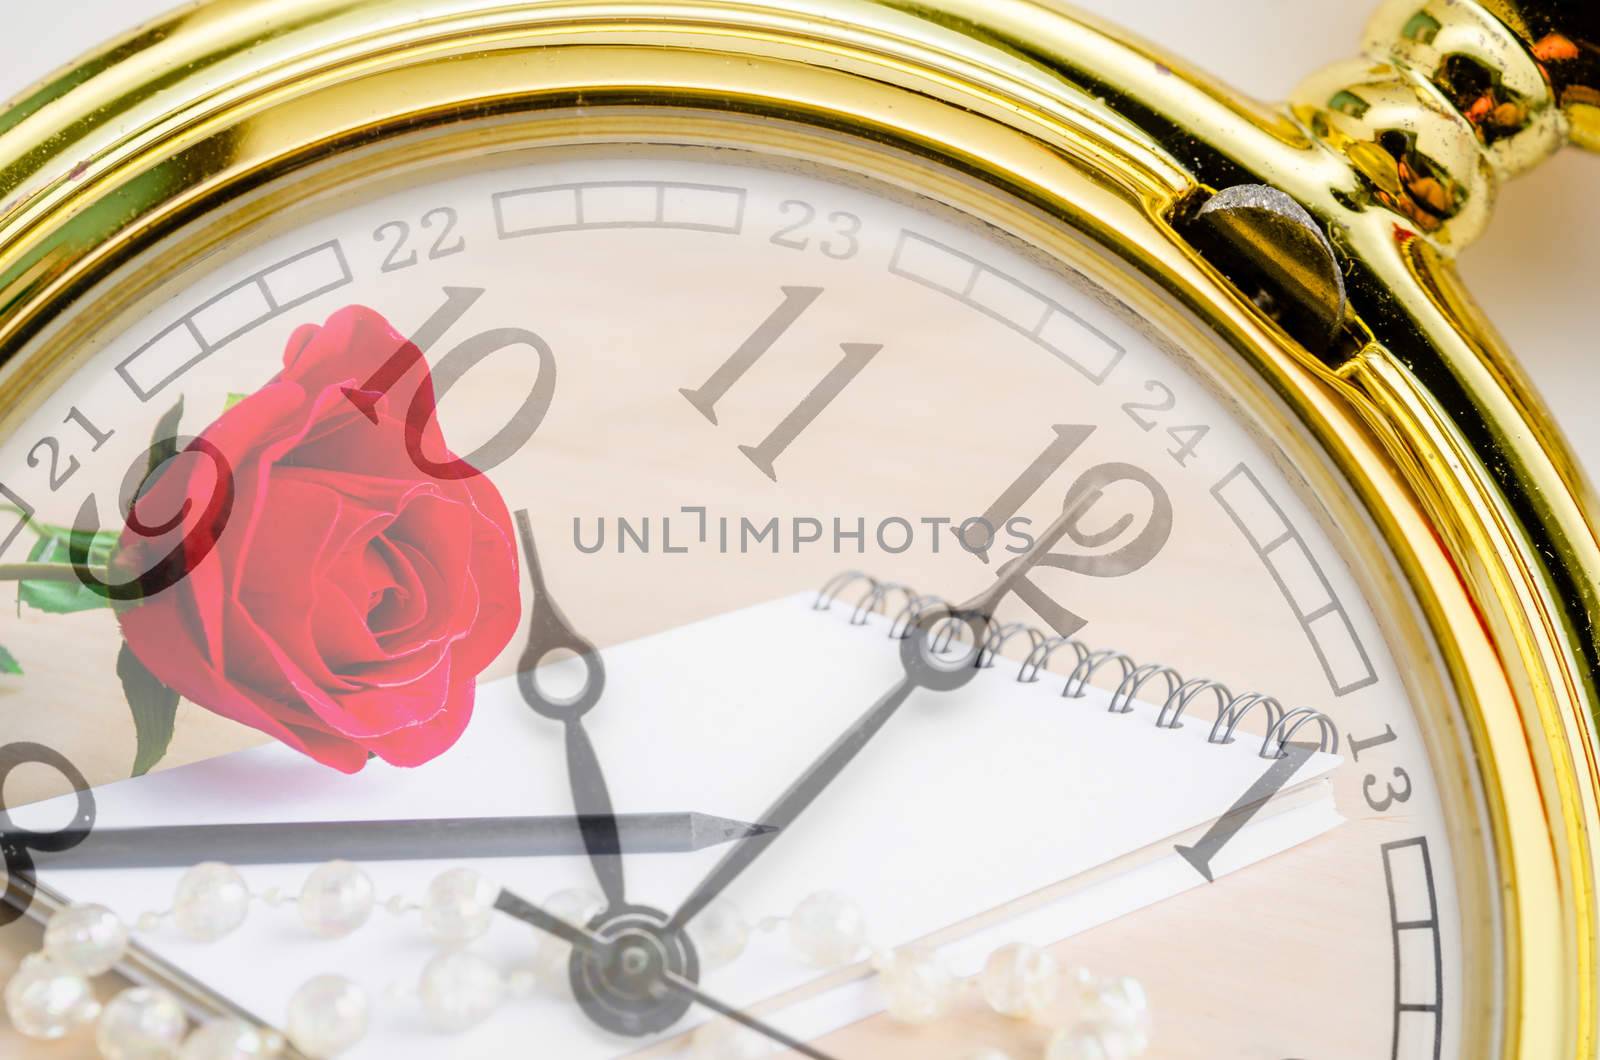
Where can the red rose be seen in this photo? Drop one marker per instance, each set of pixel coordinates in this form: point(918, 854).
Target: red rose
point(351, 600)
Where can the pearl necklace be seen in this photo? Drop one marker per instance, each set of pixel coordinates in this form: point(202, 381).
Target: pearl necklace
point(50, 995)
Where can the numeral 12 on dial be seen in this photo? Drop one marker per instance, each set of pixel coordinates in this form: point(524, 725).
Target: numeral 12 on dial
point(796, 300)
point(1084, 493)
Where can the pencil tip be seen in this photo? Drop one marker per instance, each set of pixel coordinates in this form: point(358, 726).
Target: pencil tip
point(712, 831)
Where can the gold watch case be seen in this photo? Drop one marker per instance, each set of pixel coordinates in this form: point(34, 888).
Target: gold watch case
point(1431, 458)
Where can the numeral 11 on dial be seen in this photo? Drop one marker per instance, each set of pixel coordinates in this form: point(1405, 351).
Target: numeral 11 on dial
point(796, 300)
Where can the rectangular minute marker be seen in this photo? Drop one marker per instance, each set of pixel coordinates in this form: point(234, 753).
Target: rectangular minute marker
point(24, 513)
point(533, 210)
point(1299, 578)
point(618, 204)
point(307, 275)
point(1415, 1035)
point(233, 312)
point(246, 305)
point(161, 360)
point(1418, 971)
point(1242, 497)
point(703, 206)
point(1342, 655)
point(1410, 874)
point(1044, 322)
point(621, 205)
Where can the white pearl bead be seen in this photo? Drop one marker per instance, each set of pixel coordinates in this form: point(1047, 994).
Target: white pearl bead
point(723, 1039)
point(827, 929)
point(327, 1015)
point(1117, 1002)
point(46, 999)
point(336, 899)
point(211, 901)
point(720, 934)
point(553, 956)
point(459, 906)
point(917, 987)
point(230, 1039)
point(141, 1023)
point(1096, 1041)
point(460, 989)
point(1020, 980)
point(86, 937)
point(1080, 981)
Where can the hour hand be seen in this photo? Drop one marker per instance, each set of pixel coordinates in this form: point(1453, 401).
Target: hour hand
point(550, 632)
point(592, 800)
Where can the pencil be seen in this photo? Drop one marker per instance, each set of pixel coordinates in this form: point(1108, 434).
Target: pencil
point(291, 843)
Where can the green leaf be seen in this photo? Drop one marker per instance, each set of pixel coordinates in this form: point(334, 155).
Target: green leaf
point(154, 707)
point(164, 439)
point(8, 662)
point(233, 399)
point(43, 529)
point(163, 447)
point(68, 596)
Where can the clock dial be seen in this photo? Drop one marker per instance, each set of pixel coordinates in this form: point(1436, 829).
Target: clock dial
point(1079, 661)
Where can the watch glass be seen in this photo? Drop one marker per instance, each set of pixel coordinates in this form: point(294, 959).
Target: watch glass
point(953, 655)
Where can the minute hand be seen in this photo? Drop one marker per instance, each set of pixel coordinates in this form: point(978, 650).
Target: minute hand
point(923, 669)
point(548, 632)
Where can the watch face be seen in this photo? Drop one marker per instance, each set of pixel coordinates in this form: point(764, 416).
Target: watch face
point(951, 658)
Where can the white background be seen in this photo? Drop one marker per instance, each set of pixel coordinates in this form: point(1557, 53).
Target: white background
point(1536, 272)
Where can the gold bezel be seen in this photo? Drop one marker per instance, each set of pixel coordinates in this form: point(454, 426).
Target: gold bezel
point(1424, 448)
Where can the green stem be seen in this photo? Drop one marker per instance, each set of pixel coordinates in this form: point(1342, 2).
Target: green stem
point(45, 572)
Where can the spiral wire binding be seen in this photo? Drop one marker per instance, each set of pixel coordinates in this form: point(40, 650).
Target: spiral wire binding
point(1180, 694)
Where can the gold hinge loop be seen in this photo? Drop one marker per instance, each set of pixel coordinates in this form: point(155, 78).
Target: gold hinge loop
point(1453, 97)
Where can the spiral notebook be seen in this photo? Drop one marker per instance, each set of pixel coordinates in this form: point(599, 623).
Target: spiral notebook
point(1079, 799)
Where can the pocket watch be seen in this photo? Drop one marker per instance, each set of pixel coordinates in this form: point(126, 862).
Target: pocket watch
point(838, 527)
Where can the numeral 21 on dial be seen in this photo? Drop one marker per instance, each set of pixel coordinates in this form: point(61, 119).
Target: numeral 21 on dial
point(796, 300)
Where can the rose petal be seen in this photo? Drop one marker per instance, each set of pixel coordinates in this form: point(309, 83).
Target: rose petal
point(417, 744)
